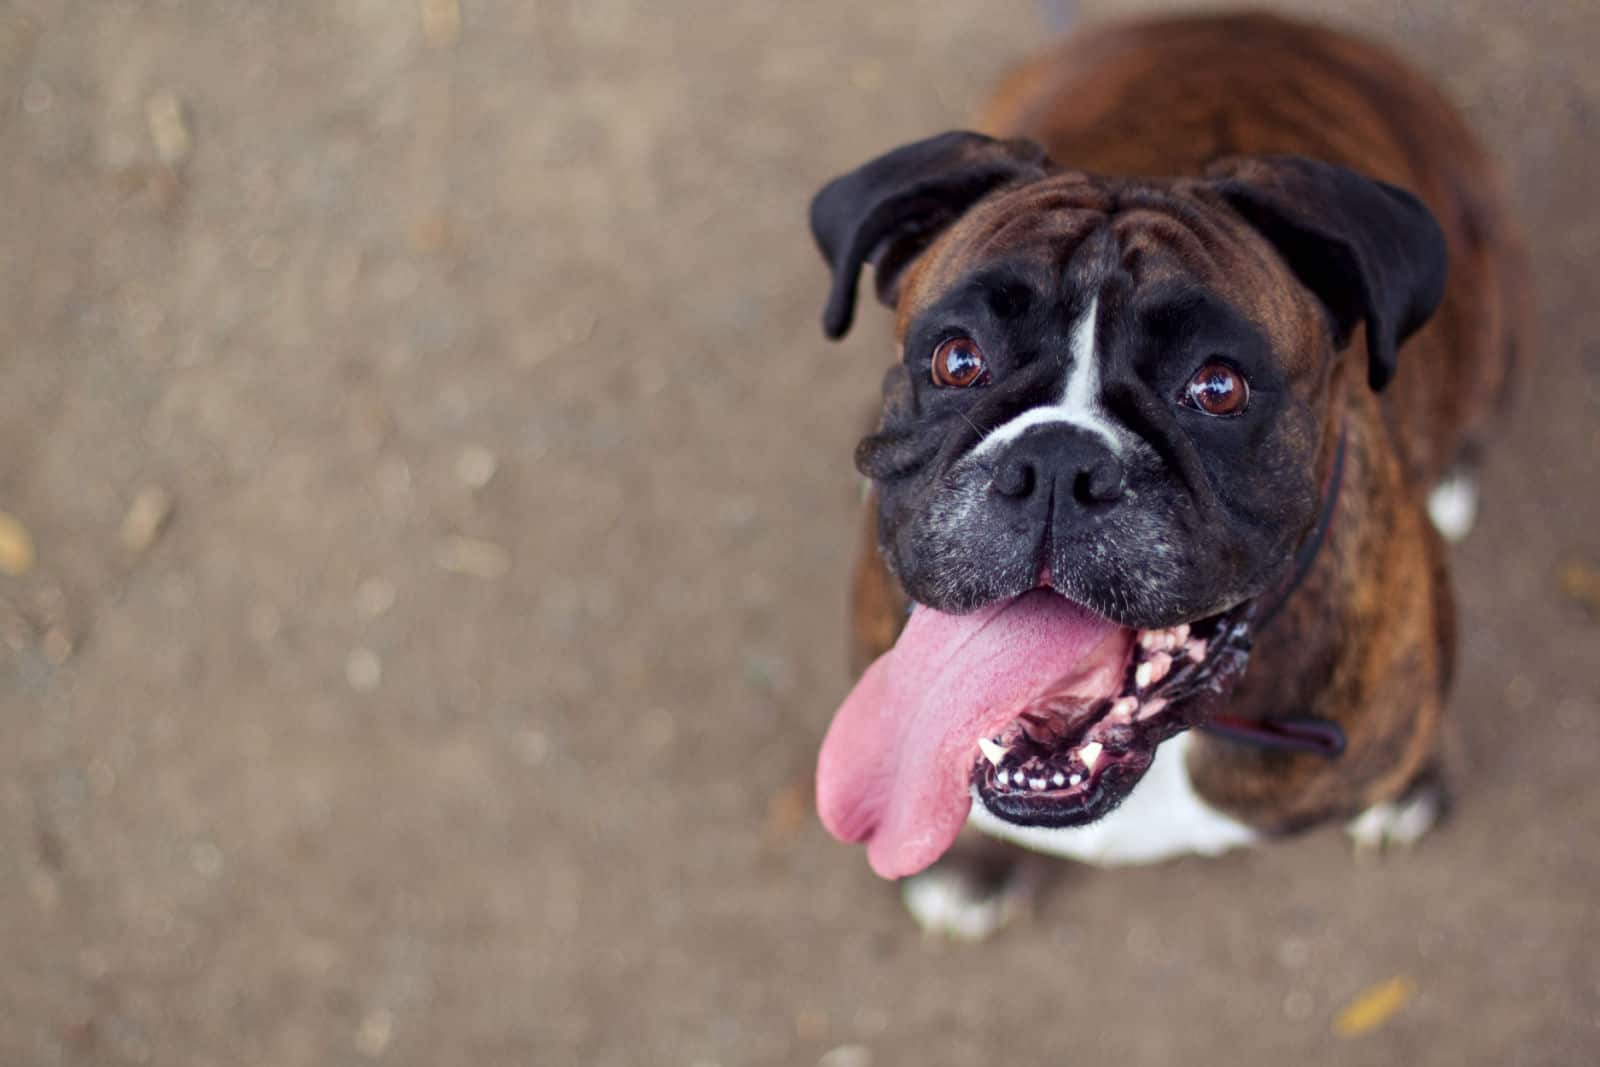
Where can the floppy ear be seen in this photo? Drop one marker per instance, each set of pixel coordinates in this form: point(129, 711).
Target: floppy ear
point(888, 211)
point(1370, 251)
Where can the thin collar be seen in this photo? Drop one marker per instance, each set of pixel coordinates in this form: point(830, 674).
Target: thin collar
point(1303, 733)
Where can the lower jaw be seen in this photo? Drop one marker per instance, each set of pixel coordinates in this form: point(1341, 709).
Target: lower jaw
point(1070, 760)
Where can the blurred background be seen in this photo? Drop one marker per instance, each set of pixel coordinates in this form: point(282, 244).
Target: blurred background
point(425, 514)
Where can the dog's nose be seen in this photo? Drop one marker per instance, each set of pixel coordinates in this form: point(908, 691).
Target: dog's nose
point(1064, 458)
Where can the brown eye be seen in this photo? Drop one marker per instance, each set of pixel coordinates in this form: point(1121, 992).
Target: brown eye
point(1217, 389)
point(959, 363)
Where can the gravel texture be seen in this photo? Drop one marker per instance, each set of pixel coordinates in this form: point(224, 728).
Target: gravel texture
point(427, 504)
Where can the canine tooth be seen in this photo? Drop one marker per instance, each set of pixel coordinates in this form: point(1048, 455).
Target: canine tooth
point(1060, 779)
point(1142, 674)
point(992, 752)
point(1125, 707)
point(1036, 783)
point(1090, 754)
point(1076, 779)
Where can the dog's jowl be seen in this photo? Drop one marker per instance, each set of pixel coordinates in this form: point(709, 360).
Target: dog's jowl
point(1182, 352)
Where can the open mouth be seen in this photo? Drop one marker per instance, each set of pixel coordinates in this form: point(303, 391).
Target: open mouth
point(1045, 712)
point(1069, 757)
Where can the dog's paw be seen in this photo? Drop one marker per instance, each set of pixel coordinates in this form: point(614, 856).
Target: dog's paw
point(1397, 823)
point(964, 901)
point(1453, 505)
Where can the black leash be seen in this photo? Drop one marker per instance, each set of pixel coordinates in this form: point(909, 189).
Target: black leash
point(1301, 733)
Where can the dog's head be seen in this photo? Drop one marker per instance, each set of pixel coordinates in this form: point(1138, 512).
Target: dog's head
point(1117, 389)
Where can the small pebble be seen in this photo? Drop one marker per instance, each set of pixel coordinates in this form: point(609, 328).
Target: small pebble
point(868, 74)
point(147, 516)
point(846, 1056)
point(375, 1033)
point(169, 129)
point(374, 597)
point(206, 859)
point(1294, 953)
point(1580, 582)
point(57, 645)
point(363, 670)
point(531, 746)
point(472, 557)
point(441, 22)
point(1374, 1006)
point(657, 728)
point(16, 547)
point(788, 812)
point(475, 466)
point(811, 1024)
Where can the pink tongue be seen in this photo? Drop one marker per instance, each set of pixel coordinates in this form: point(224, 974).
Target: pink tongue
point(895, 766)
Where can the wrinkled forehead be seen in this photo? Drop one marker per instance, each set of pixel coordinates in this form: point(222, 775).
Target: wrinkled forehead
point(1082, 229)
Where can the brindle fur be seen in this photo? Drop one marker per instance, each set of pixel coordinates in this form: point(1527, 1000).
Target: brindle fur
point(1368, 639)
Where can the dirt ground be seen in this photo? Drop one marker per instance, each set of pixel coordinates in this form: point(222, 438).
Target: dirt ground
point(451, 694)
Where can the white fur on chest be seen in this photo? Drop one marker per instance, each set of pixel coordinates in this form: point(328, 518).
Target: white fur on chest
point(1163, 817)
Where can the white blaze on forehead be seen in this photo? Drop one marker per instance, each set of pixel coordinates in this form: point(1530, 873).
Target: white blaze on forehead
point(1080, 399)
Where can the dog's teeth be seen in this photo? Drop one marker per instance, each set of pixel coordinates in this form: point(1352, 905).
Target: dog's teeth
point(1159, 665)
point(992, 751)
point(1059, 779)
point(1181, 633)
point(1035, 783)
point(1142, 674)
point(1196, 650)
point(1090, 754)
point(1076, 779)
point(1125, 707)
point(1148, 639)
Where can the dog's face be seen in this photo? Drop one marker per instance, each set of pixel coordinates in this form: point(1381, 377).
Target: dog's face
point(1122, 392)
point(1119, 388)
point(1118, 395)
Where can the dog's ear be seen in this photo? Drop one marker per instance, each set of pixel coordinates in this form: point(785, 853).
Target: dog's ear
point(888, 211)
point(1370, 251)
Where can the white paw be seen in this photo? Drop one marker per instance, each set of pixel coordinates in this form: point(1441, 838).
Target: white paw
point(1395, 822)
point(951, 902)
point(1453, 505)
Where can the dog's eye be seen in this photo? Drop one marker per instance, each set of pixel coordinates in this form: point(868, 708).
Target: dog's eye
point(1217, 389)
point(959, 363)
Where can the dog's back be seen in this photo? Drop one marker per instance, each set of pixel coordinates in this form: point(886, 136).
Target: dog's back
point(1169, 97)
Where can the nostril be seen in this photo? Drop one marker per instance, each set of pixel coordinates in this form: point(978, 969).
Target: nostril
point(1100, 483)
point(1015, 478)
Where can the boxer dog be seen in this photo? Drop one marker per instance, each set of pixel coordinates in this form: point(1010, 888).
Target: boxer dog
point(1184, 356)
